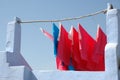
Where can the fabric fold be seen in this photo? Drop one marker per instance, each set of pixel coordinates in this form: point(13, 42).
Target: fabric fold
point(77, 62)
point(99, 54)
point(87, 45)
point(64, 46)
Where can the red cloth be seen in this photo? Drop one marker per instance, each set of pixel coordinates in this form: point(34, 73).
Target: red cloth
point(79, 49)
point(64, 46)
point(87, 45)
point(77, 62)
point(60, 65)
point(98, 57)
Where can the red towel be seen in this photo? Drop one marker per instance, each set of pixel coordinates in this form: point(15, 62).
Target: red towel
point(87, 45)
point(98, 57)
point(77, 62)
point(60, 65)
point(64, 46)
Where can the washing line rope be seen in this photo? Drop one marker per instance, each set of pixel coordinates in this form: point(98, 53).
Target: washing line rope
point(65, 19)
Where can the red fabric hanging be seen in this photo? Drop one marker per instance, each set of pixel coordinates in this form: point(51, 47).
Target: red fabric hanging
point(79, 49)
point(47, 34)
point(87, 44)
point(77, 62)
point(98, 57)
point(60, 65)
point(75, 45)
point(64, 46)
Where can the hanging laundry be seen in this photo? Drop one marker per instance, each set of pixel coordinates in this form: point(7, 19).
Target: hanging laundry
point(64, 46)
point(98, 58)
point(78, 50)
point(55, 35)
point(87, 45)
point(47, 34)
point(77, 62)
point(75, 53)
point(60, 64)
point(53, 38)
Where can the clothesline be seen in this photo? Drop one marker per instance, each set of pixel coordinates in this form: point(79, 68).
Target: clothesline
point(65, 19)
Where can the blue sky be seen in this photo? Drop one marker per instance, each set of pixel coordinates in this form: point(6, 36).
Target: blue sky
point(35, 47)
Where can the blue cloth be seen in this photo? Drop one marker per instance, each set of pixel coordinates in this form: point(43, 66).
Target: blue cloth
point(55, 35)
point(71, 67)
